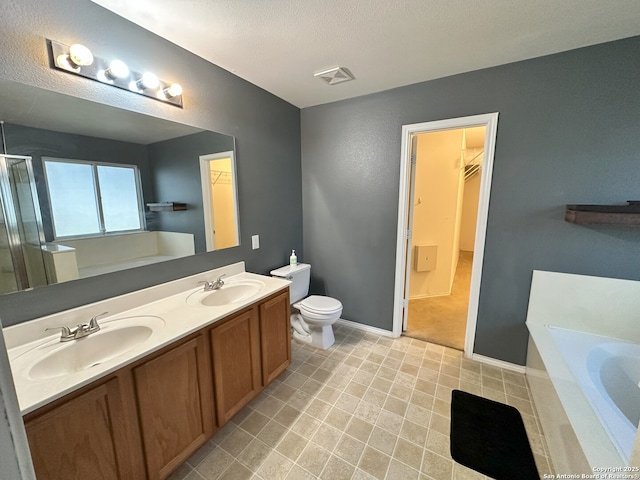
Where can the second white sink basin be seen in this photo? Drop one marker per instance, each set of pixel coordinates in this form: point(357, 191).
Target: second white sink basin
point(113, 340)
point(230, 292)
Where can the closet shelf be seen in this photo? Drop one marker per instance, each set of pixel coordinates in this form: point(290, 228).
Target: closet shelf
point(166, 206)
point(628, 214)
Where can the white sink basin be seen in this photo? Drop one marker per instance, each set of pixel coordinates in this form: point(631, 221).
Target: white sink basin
point(115, 338)
point(231, 292)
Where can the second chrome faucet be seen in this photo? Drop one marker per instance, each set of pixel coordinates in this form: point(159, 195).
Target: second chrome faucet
point(208, 286)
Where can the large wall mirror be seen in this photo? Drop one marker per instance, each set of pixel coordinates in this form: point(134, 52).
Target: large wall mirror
point(89, 189)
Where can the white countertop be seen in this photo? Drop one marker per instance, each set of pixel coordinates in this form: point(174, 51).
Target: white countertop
point(166, 301)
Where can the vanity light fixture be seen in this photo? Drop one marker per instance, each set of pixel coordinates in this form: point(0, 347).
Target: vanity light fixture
point(79, 60)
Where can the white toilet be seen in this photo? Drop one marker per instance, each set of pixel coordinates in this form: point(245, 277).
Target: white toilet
point(315, 315)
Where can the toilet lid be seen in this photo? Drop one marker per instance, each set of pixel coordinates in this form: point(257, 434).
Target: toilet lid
point(320, 304)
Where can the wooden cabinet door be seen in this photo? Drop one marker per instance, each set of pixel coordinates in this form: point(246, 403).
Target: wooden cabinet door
point(235, 351)
point(83, 438)
point(175, 405)
point(275, 337)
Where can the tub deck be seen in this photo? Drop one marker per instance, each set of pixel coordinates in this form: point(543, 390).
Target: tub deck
point(585, 354)
point(596, 445)
point(564, 366)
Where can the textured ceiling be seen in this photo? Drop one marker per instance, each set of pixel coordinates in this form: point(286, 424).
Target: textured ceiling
point(279, 44)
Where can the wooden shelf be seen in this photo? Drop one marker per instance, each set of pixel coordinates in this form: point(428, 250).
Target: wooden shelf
point(625, 215)
point(166, 206)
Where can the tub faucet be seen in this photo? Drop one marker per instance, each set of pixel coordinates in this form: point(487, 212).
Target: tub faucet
point(79, 331)
point(208, 286)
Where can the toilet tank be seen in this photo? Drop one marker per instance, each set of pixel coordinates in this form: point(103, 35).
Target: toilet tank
point(299, 275)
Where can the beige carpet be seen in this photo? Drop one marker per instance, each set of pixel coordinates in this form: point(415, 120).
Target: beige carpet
point(443, 320)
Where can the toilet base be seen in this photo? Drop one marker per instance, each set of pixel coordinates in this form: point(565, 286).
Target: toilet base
point(318, 336)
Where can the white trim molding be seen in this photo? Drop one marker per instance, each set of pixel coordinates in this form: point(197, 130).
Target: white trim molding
point(498, 363)
point(366, 328)
point(14, 447)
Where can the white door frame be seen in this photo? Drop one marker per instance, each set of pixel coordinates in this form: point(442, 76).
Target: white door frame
point(14, 447)
point(403, 256)
point(205, 181)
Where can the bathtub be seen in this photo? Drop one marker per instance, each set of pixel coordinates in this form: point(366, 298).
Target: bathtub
point(607, 371)
point(583, 383)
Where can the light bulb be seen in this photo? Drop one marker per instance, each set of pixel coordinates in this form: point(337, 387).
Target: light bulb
point(79, 55)
point(63, 61)
point(149, 81)
point(117, 69)
point(173, 90)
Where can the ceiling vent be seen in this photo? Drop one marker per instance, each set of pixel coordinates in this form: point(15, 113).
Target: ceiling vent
point(335, 75)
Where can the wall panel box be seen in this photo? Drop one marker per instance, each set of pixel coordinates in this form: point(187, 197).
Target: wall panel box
point(425, 257)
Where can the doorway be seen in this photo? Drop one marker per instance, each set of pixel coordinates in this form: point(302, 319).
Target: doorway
point(219, 200)
point(445, 203)
point(440, 248)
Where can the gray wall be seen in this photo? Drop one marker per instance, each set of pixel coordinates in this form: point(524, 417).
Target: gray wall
point(267, 131)
point(175, 167)
point(567, 133)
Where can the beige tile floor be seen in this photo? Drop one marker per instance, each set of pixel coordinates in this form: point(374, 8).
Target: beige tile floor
point(369, 407)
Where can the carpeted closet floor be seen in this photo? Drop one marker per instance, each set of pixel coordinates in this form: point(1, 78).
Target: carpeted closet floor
point(443, 320)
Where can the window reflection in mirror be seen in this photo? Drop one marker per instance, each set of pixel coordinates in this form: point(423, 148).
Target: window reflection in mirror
point(220, 200)
point(90, 198)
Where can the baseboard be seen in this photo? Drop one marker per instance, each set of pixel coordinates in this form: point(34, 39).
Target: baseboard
point(498, 363)
point(429, 295)
point(366, 328)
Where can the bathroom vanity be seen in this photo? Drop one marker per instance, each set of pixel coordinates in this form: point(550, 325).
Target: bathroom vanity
point(144, 412)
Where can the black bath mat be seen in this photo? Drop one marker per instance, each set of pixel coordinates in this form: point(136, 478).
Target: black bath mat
point(489, 437)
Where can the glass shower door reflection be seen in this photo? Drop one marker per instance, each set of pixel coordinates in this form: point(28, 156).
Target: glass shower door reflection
point(22, 224)
point(8, 281)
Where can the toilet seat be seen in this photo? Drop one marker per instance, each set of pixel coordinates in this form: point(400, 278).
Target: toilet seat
point(318, 305)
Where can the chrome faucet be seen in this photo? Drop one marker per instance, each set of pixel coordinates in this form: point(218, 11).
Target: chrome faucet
point(79, 331)
point(208, 286)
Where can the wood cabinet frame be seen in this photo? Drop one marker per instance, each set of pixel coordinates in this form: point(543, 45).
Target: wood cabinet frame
point(111, 419)
point(275, 331)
